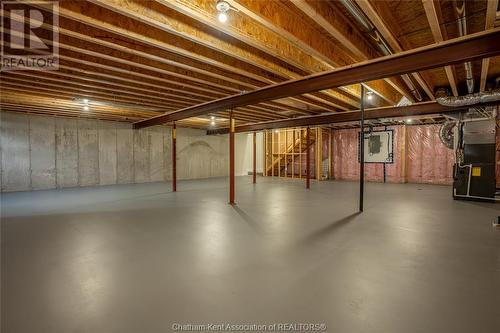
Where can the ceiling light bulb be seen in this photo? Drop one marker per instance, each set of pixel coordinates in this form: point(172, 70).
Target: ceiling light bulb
point(86, 101)
point(85, 108)
point(222, 17)
point(212, 123)
point(276, 131)
point(212, 118)
point(409, 121)
point(369, 95)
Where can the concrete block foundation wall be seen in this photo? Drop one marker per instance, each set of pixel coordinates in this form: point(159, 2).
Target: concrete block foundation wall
point(40, 152)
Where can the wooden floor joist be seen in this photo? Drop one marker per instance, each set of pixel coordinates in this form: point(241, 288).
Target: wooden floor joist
point(397, 44)
point(175, 59)
point(186, 54)
point(122, 49)
point(458, 50)
point(172, 23)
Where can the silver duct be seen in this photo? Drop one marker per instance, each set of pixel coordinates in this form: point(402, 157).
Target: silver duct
point(404, 101)
point(467, 100)
point(447, 134)
point(360, 17)
point(462, 30)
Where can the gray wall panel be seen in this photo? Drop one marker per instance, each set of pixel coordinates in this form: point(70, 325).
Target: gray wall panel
point(66, 152)
point(107, 153)
point(43, 152)
point(201, 156)
point(156, 154)
point(167, 156)
point(141, 155)
point(124, 153)
point(15, 152)
point(88, 152)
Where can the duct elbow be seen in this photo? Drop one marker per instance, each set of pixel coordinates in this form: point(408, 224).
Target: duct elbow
point(492, 96)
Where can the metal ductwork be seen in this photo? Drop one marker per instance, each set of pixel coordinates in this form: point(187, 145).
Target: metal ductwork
point(360, 17)
point(404, 101)
point(462, 30)
point(447, 134)
point(467, 100)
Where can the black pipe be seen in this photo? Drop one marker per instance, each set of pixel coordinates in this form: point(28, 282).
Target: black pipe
point(385, 171)
point(362, 150)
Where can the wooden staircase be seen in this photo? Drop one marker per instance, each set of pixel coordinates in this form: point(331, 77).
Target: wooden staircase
point(282, 164)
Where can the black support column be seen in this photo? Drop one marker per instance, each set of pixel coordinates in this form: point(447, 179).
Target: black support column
point(362, 150)
point(174, 157)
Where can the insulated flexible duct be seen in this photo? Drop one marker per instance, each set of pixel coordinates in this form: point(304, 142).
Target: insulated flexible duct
point(467, 100)
point(446, 134)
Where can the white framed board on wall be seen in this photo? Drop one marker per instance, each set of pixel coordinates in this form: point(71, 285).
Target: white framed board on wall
point(379, 147)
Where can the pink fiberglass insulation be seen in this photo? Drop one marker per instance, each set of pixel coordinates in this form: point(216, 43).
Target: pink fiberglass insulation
point(345, 158)
point(394, 171)
point(428, 160)
point(345, 154)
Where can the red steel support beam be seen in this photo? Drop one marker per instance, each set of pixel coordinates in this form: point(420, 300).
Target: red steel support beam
point(417, 109)
point(231, 158)
point(174, 158)
point(254, 174)
point(308, 157)
point(459, 50)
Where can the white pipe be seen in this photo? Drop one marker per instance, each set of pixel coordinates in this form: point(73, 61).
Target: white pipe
point(462, 30)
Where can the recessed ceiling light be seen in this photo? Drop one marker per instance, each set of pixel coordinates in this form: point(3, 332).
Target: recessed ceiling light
point(86, 108)
point(85, 101)
point(212, 117)
point(222, 7)
point(222, 17)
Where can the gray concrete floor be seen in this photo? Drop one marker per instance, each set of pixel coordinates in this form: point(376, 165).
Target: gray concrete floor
point(137, 258)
